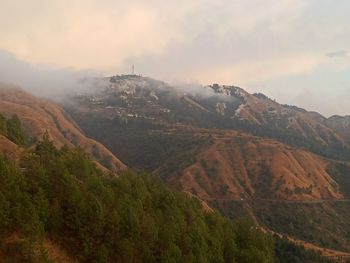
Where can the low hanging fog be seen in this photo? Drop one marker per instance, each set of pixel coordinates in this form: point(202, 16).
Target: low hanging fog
point(44, 81)
point(58, 84)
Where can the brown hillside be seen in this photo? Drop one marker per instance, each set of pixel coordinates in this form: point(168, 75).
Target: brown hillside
point(238, 166)
point(264, 111)
point(38, 116)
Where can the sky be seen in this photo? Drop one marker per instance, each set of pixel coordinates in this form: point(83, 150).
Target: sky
point(295, 51)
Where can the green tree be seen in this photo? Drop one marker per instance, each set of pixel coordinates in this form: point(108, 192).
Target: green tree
point(3, 125)
point(14, 130)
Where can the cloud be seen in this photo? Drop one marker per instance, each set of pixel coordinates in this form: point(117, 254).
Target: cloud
point(43, 81)
point(105, 34)
point(337, 54)
point(325, 89)
point(238, 42)
point(256, 70)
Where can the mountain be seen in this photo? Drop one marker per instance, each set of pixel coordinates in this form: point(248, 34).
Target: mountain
point(243, 153)
point(236, 166)
point(56, 205)
point(39, 116)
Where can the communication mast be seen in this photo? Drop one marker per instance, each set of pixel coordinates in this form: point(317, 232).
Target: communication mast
point(133, 69)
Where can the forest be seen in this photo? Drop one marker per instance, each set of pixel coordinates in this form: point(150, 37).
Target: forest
point(60, 195)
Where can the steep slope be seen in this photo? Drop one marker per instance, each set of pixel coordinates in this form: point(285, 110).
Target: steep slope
point(39, 116)
point(257, 109)
point(238, 166)
point(263, 111)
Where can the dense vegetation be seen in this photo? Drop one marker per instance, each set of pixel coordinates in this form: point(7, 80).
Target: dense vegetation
point(59, 194)
point(307, 222)
point(12, 129)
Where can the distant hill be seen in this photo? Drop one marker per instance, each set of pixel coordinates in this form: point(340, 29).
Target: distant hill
point(39, 116)
point(238, 166)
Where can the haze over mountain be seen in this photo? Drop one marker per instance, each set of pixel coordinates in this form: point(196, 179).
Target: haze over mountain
point(43, 80)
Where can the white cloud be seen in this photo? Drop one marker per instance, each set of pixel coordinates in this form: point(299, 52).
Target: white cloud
point(262, 70)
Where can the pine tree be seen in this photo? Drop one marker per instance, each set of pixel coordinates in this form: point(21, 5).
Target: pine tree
point(14, 130)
